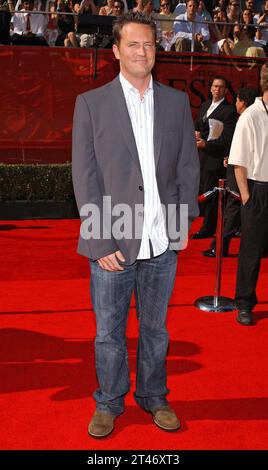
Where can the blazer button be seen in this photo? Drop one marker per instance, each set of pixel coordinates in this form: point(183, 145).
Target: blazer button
point(140, 188)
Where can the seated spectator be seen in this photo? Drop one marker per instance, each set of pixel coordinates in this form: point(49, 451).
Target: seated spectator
point(87, 7)
point(233, 11)
point(250, 5)
point(52, 30)
point(118, 8)
point(5, 17)
point(29, 30)
point(203, 12)
point(180, 8)
point(144, 6)
point(138, 6)
point(261, 21)
point(166, 16)
point(222, 4)
point(245, 45)
point(107, 9)
point(38, 5)
point(219, 31)
point(246, 17)
point(165, 22)
point(188, 33)
point(66, 26)
point(147, 7)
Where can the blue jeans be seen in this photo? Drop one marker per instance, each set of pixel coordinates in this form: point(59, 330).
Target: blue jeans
point(152, 280)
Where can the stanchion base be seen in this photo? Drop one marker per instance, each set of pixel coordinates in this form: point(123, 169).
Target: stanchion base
point(207, 303)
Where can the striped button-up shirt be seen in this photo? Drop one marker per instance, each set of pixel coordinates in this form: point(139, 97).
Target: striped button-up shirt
point(141, 113)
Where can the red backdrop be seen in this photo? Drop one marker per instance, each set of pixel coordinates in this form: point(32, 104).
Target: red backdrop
point(39, 87)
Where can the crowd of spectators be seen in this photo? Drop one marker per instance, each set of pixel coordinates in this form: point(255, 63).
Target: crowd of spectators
point(232, 27)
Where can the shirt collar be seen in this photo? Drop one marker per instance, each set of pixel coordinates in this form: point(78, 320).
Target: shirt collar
point(127, 87)
point(216, 103)
point(258, 102)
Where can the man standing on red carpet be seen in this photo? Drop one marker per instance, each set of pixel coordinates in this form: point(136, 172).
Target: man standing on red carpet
point(249, 154)
point(134, 152)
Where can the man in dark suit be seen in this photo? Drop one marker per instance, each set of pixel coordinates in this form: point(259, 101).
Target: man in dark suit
point(232, 221)
point(134, 153)
point(214, 145)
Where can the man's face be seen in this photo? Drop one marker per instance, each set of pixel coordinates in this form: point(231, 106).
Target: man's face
point(191, 9)
point(165, 7)
point(117, 9)
point(218, 89)
point(234, 7)
point(250, 4)
point(247, 16)
point(27, 5)
point(136, 51)
point(148, 8)
point(240, 105)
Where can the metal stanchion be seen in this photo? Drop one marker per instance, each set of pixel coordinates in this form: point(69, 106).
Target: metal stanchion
point(218, 303)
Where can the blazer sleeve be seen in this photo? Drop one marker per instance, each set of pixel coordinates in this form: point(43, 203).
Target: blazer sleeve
point(198, 122)
point(188, 168)
point(87, 181)
point(221, 146)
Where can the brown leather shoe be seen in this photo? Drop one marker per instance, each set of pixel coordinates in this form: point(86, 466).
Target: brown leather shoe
point(101, 424)
point(166, 419)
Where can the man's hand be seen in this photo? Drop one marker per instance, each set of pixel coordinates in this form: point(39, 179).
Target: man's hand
point(225, 162)
point(201, 143)
point(242, 183)
point(245, 198)
point(110, 263)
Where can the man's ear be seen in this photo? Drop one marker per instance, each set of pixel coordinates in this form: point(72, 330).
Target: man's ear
point(116, 51)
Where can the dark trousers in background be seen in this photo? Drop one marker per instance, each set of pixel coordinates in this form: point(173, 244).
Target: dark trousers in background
point(209, 181)
point(232, 218)
point(254, 241)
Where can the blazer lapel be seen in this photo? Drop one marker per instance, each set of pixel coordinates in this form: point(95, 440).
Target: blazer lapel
point(125, 125)
point(219, 108)
point(157, 123)
point(206, 107)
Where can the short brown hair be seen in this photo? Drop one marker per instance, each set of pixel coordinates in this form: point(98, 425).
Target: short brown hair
point(130, 17)
point(264, 77)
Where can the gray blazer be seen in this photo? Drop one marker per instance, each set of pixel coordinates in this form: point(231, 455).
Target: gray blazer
point(105, 159)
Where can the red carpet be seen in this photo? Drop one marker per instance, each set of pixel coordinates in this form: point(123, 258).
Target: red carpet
point(218, 370)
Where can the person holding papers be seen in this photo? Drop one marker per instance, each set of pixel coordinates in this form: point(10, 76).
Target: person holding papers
point(214, 127)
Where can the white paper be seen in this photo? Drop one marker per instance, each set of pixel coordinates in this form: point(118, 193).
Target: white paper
point(215, 129)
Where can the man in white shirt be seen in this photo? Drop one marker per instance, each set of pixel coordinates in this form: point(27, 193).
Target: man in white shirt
point(190, 32)
point(146, 160)
point(249, 154)
point(29, 29)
